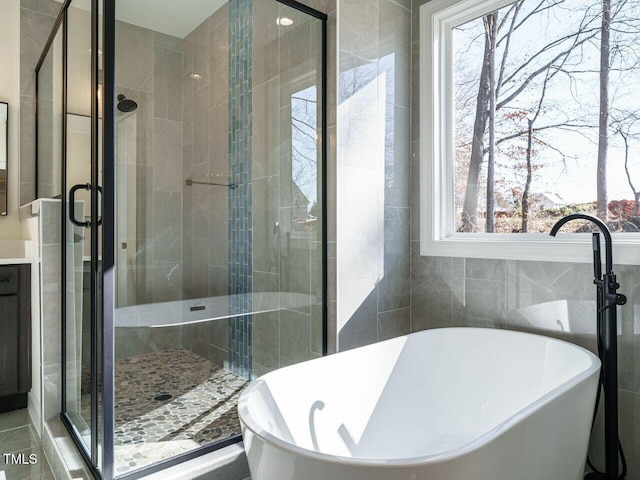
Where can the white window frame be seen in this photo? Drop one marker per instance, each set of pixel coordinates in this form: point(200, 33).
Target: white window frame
point(437, 230)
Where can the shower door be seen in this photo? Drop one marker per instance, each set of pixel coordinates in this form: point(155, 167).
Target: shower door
point(219, 238)
point(81, 229)
point(193, 229)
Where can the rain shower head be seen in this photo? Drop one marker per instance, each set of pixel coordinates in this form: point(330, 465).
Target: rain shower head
point(126, 105)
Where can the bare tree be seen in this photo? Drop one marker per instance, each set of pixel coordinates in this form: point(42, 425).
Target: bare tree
point(603, 118)
point(491, 27)
point(527, 186)
point(624, 124)
point(597, 52)
point(516, 81)
point(470, 208)
point(304, 147)
point(636, 193)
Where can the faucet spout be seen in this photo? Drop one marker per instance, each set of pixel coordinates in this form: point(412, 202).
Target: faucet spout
point(603, 228)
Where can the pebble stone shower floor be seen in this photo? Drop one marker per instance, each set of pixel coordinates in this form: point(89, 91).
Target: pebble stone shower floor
point(201, 410)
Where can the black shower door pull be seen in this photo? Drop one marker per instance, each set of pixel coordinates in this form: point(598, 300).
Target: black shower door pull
point(72, 205)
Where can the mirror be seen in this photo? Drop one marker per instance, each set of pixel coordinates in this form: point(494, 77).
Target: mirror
point(4, 130)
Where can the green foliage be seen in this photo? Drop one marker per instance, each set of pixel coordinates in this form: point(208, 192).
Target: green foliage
point(571, 208)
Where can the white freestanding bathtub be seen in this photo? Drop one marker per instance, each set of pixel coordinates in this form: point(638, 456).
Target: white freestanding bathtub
point(443, 404)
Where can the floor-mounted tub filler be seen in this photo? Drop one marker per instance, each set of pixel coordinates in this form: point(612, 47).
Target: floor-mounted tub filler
point(443, 404)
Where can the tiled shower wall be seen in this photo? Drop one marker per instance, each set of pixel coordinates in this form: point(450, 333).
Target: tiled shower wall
point(205, 209)
point(288, 335)
point(205, 157)
point(149, 71)
point(486, 293)
point(241, 177)
point(47, 237)
point(286, 256)
point(50, 291)
point(373, 213)
point(148, 64)
point(36, 20)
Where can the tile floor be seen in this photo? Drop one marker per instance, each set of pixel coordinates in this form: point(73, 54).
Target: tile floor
point(201, 409)
point(18, 436)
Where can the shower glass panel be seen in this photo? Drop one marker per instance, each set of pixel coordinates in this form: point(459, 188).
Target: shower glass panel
point(219, 238)
point(97, 252)
point(77, 301)
point(80, 188)
point(49, 121)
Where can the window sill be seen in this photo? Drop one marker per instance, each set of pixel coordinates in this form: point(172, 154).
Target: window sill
point(575, 248)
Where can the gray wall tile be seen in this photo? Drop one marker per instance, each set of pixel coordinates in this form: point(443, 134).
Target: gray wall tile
point(394, 286)
point(35, 28)
point(630, 430)
point(134, 62)
point(362, 326)
point(483, 269)
point(295, 331)
point(219, 61)
point(202, 52)
point(373, 54)
point(195, 337)
point(316, 329)
point(484, 302)
point(266, 46)
point(219, 334)
point(167, 159)
point(46, 7)
point(267, 136)
point(394, 323)
point(219, 145)
point(36, 21)
point(268, 239)
point(201, 126)
point(27, 149)
point(359, 28)
point(266, 340)
point(167, 97)
point(167, 224)
point(397, 164)
point(167, 41)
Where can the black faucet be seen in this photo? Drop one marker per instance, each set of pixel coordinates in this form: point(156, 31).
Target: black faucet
point(607, 300)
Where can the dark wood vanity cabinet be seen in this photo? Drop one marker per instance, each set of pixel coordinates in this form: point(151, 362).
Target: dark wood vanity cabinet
point(15, 336)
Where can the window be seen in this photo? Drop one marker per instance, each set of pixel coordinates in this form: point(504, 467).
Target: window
point(512, 138)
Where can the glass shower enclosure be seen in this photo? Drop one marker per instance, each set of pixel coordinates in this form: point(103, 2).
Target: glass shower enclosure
point(185, 141)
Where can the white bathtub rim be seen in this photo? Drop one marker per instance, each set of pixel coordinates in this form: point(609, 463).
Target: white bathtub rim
point(521, 415)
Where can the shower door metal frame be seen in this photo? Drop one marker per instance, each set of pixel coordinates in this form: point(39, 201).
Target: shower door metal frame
point(109, 240)
point(88, 452)
point(58, 24)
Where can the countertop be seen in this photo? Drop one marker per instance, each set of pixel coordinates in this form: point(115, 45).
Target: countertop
point(14, 261)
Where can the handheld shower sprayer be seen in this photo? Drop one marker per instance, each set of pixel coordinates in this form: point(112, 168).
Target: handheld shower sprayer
point(607, 299)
